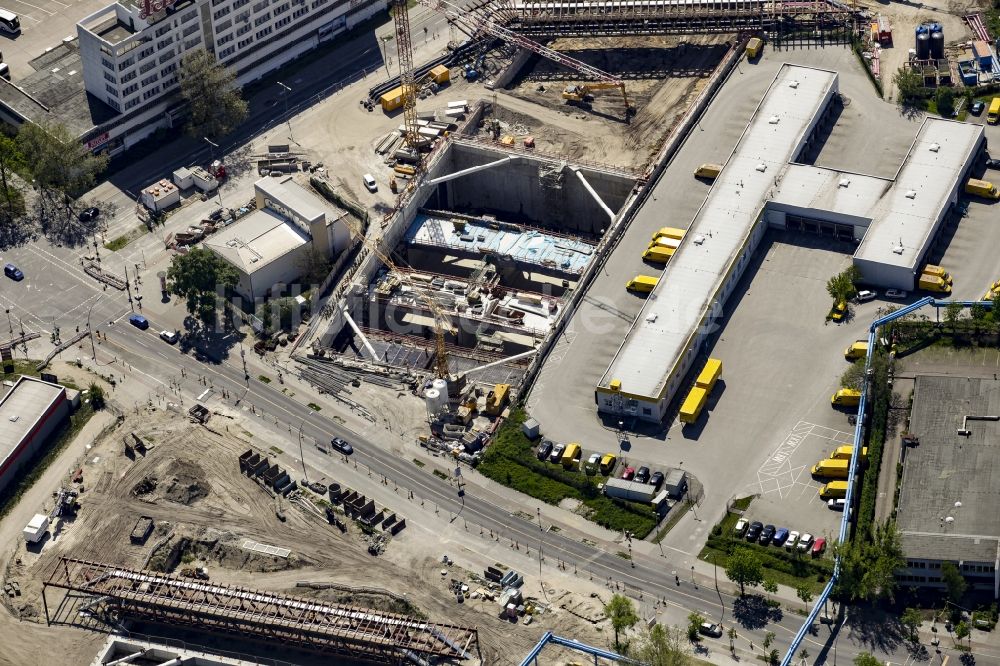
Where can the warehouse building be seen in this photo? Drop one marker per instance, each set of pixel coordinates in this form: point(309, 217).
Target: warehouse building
point(30, 413)
point(271, 246)
point(951, 483)
point(762, 186)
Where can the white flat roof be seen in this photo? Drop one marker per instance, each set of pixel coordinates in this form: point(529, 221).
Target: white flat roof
point(256, 240)
point(936, 161)
point(672, 313)
point(304, 203)
point(22, 408)
point(818, 188)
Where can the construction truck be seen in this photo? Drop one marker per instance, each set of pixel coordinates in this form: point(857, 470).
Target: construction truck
point(581, 94)
point(199, 573)
point(497, 399)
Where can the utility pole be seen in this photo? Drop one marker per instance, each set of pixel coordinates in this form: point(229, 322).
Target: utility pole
point(285, 94)
point(302, 456)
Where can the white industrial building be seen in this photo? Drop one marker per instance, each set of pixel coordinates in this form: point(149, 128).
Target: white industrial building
point(270, 246)
point(30, 413)
point(760, 186)
point(131, 62)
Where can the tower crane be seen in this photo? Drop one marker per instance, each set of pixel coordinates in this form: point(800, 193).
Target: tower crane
point(407, 80)
point(480, 23)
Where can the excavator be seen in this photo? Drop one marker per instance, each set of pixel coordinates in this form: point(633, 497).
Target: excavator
point(582, 94)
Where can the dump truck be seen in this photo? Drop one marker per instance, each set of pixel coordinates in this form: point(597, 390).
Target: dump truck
point(754, 47)
point(831, 468)
point(658, 254)
point(709, 375)
point(857, 350)
point(933, 283)
point(642, 284)
point(845, 452)
point(571, 456)
point(693, 404)
point(993, 115)
point(846, 397)
point(833, 490)
point(982, 188)
point(669, 232)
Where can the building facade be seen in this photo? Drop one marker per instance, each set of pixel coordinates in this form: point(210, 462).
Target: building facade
point(30, 413)
point(131, 60)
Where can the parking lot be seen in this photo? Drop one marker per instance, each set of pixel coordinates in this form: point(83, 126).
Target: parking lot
point(44, 24)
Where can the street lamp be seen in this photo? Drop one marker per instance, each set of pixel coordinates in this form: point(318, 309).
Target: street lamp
point(213, 144)
point(93, 349)
point(302, 456)
point(285, 94)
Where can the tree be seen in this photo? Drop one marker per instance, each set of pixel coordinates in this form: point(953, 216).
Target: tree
point(768, 639)
point(198, 277)
point(745, 568)
point(911, 619)
point(841, 286)
point(774, 657)
point(96, 394)
point(804, 593)
point(694, 624)
point(803, 655)
point(661, 646)
point(945, 102)
point(11, 159)
point(909, 85)
point(868, 564)
point(951, 314)
point(953, 581)
point(854, 376)
point(962, 631)
point(217, 106)
point(978, 312)
point(57, 160)
point(995, 307)
point(770, 586)
point(866, 659)
point(621, 612)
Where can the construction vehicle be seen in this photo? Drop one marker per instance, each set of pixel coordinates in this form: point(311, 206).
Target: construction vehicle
point(832, 468)
point(200, 573)
point(584, 93)
point(497, 399)
point(846, 397)
point(834, 490)
point(642, 284)
point(982, 188)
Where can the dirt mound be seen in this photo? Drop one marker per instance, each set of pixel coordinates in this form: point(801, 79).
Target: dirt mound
point(186, 483)
point(144, 487)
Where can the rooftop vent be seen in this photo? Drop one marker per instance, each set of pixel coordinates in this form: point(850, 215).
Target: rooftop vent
point(698, 240)
point(897, 249)
point(773, 120)
point(934, 147)
point(793, 84)
point(761, 167)
point(14, 419)
point(651, 317)
point(845, 182)
point(911, 194)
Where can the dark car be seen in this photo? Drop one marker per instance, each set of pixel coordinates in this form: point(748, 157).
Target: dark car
point(754, 530)
point(13, 272)
point(342, 446)
point(656, 480)
point(977, 108)
point(544, 449)
point(642, 476)
point(89, 214)
point(766, 535)
point(992, 163)
point(780, 536)
point(138, 321)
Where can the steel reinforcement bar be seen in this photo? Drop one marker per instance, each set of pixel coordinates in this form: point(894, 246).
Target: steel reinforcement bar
point(305, 623)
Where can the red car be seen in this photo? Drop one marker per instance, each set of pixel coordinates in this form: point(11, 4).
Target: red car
point(628, 473)
point(819, 545)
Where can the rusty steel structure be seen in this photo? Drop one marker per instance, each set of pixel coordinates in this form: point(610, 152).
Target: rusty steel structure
point(355, 633)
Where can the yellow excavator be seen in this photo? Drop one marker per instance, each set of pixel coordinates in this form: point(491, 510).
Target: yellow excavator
point(583, 92)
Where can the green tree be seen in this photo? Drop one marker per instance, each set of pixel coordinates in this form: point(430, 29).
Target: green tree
point(745, 568)
point(773, 657)
point(911, 619)
point(841, 286)
point(866, 659)
point(951, 314)
point(198, 277)
point(945, 102)
point(661, 646)
point(995, 307)
point(909, 86)
point(953, 581)
point(694, 624)
point(804, 593)
point(803, 655)
point(962, 631)
point(217, 106)
point(621, 612)
point(978, 312)
point(854, 376)
point(868, 564)
point(768, 639)
point(770, 586)
point(96, 393)
point(57, 160)
point(11, 159)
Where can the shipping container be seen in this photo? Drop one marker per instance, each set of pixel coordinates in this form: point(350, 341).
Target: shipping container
point(632, 491)
point(440, 74)
point(754, 47)
point(709, 374)
point(693, 404)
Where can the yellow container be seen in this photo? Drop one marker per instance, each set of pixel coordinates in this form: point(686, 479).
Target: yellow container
point(709, 375)
point(440, 74)
point(693, 404)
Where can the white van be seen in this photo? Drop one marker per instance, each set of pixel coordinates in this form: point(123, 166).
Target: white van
point(369, 181)
point(865, 295)
point(9, 22)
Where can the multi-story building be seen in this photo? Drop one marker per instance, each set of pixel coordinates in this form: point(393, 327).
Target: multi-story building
point(131, 53)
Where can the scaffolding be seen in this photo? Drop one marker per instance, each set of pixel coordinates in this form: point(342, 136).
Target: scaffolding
point(355, 633)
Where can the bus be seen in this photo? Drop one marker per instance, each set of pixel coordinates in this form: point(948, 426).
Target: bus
point(9, 22)
point(993, 115)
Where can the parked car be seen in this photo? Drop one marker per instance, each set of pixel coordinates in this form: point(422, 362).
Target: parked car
point(342, 445)
point(710, 629)
point(642, 476)
point(836, 504)
point(13, 272)
point(170, 337)
point(780, 536)
point(838, 311)
point(740, 527)
point(544, 449)
point(138, 321)
point(754, 530)
point(608, 463)
point(557, 452)
point(992, 163)
point(793, 538)
point(818, 547)
point(656, 480)
point(629, 473)
point(89, 214)
point(865, 295)
point(897, 294)
point(593, 461)
point(369, 181)
point(805, 541)
point(977, 108)
point(766, 535)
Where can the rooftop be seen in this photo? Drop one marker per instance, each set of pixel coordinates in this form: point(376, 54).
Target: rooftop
point(256, 240)
point(946, 468)
point(907, 214)
point(818, 188)
point(22, 407)
point(293, 196)
point(671, 314)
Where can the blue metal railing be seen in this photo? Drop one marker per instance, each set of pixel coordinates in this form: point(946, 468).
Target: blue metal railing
point(858, 443)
